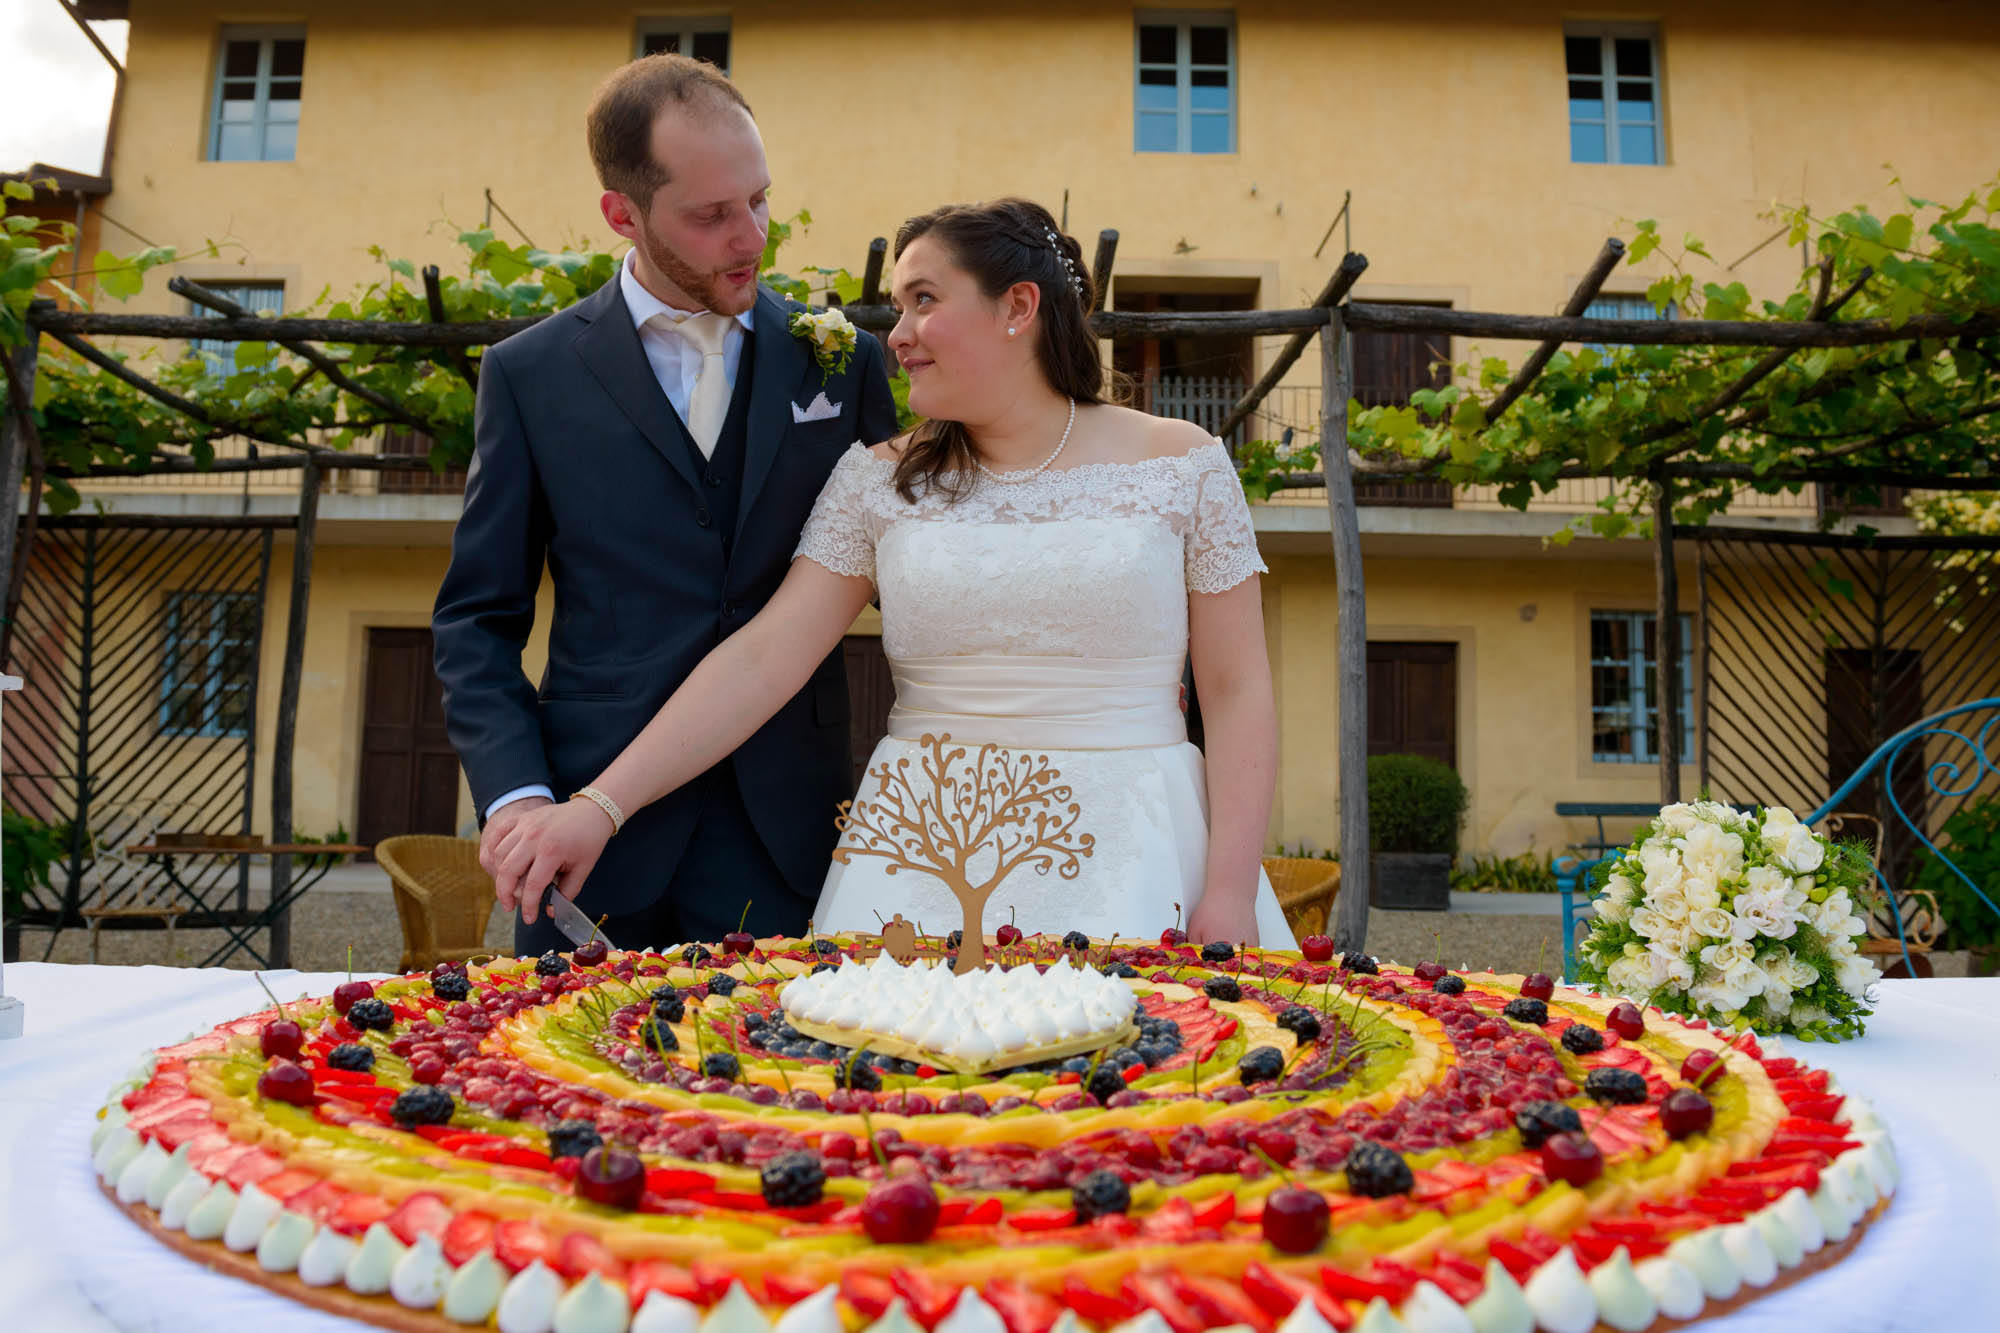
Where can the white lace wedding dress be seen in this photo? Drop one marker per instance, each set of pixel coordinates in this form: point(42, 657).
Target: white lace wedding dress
point(1048, 615)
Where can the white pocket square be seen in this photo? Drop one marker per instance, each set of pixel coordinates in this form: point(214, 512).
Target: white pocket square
point(819, 409)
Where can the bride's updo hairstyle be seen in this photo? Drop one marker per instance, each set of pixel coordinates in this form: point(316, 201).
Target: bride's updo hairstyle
point(999, 244)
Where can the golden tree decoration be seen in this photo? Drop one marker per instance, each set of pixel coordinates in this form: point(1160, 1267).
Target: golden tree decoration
point(1007, 802)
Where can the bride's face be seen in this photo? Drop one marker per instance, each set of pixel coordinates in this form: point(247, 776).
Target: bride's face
point(952, 338)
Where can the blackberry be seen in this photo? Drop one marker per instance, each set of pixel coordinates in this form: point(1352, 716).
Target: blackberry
point(351, 1055)
point(669, 1005)
point(818, 968)
point(452, 986)
point(953, 940)
point(1377, 1171)
point(1582, 1039)
point(1260, 1064)
point(858, 1075)
point(573, 1138)
point(1621, 1087)
point(425, 1104)
point(1119, 970)
point(827, 948)
point(1360, 962)
point(551, 964)
point(696, 954)
point(1106, 1082)
point(1075, 939)
point(1222, 988)
point(793, 1180)
point(1449, 985)
point(1526, 1010)
point(1100, 1193)
point(655, 1034)
point(1217, 951)
point(1541, 1121)
point(721, 1064)
point(1301, 1022)
point(722, 984)
point(371, 1014)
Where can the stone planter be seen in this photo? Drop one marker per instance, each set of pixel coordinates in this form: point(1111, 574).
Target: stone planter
point(1411, 882)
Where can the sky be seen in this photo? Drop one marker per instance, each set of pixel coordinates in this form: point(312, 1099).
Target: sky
point(55, 89)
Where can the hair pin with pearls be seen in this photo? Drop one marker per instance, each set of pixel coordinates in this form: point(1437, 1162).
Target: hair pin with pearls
point(1055, 244)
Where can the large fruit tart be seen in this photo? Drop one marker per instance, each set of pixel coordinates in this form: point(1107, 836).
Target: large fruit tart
point(588, 1143)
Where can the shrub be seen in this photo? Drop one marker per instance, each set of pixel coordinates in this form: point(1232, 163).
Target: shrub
point(1414, 804)
point(1971, 838)
point(1525, 873)
point(30, 849)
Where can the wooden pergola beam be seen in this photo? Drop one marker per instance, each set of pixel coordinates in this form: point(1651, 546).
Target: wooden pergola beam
point(1342, 281)
point(1666, 332)
point(871, 272)
point(1100, 268)
point(434, 301)
point(167, 397)
point(1579, 301)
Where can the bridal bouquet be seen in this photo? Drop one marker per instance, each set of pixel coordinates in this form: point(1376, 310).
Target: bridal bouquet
point(1744, 918)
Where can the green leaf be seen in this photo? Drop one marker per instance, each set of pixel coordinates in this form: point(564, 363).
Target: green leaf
point(252, 355)
point(120, 279)
point(1692, 244)
point(1896, 232)
point(404, 267)
point(17, 189)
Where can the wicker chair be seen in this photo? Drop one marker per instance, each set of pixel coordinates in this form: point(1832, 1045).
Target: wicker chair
point(442, 897)
point(1306, 887)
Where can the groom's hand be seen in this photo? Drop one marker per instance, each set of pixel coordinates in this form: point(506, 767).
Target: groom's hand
point(497, 828)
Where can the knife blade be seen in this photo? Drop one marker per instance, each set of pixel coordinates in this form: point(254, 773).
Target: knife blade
point(574, 925)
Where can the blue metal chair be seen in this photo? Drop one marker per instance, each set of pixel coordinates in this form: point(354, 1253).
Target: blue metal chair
point(1951, 776)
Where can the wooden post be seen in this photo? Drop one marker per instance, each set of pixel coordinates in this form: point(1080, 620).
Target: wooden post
point(871, 272)
point(1351, 659)
point(1100, 268)
point(1667, 641)
point(286, 733)
point(12, 1016)
point(15, 446)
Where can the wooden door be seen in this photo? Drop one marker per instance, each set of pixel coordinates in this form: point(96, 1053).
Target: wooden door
point(870, 694)
point(409, 772)
point(1388, 368)
point(1413, 699)
point(1870, 696)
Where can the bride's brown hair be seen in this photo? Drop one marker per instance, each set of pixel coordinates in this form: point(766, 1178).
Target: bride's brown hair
point(999, 244)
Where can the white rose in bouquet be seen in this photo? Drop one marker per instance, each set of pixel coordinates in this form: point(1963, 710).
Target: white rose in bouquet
point(1791, 842)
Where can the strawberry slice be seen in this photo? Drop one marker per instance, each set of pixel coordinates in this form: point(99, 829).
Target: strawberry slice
point(579, 1254)
point(1023, 1309)
point(318, 1203)
point(869, 1293)
point(928, 1299)
point(286, 1184)
point(1458, 1277)
point(467, 1235)
point(1220, 1302)
point(1217, 1212)
point(670, 1183)
point(966, 1212)
point(183, 1128)
point(219, 1161)
point(1171, 1221)
point(252, 1168)
point(420, 1215)
point(1815, 1108)
point(1099, 1307)
point(357, 1212)
point(1156, 1291)
point(658, 1275)
point(1280, 1293)
point(518, 1242)
point(1520, 1265)
point(1042, 1219)
point(779, 1288)
point(1353, 1287)
point(713, 1280)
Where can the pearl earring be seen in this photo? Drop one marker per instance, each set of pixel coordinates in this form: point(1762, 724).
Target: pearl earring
point(1010, 333)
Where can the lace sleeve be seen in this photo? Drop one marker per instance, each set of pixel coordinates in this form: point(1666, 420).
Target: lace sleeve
point(839, 534)
point(1221, 544)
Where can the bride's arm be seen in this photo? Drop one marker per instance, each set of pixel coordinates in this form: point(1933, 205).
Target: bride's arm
point(735, 690)
point(1232, 679)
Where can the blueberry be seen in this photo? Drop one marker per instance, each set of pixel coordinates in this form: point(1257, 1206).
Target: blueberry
point(1098, 1194)
point(1076, 1064)
point(1105, 1083)
point(858, 1075)
point(573, 1138)
point(721, 1064)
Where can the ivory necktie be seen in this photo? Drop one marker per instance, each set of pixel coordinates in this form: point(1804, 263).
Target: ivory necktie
point(709, 403)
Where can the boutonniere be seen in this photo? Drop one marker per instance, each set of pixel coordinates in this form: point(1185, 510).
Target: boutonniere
point(831, 335)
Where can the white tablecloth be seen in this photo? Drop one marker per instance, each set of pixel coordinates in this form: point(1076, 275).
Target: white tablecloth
point(1931, 1062)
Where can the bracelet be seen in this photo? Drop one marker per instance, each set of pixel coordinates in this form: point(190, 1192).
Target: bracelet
point(604, 803)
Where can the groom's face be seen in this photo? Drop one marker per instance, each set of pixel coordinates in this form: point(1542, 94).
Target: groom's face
point(700, 239)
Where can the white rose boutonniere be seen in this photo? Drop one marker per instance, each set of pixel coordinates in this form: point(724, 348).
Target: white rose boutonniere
point(832, 337)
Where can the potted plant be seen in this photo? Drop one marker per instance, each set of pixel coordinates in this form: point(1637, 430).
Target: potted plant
point(1971, 839)
point(28, 847)
point(1415, 808)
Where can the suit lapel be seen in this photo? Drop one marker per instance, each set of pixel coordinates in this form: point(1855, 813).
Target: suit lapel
point(610, 350)
point(780, 361)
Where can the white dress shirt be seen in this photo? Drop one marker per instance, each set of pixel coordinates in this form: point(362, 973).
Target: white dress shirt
point(675, 363)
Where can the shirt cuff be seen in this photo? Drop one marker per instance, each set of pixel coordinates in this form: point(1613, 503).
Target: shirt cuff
point(519, 794)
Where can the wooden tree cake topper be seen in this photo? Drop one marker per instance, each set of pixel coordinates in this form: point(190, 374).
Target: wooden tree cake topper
point(1006, 802)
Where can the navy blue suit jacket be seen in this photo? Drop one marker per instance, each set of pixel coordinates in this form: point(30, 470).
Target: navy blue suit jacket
point(582, 466)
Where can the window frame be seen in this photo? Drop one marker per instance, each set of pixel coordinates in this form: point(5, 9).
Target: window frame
point(212, 687)
point(1607, 36)
point(1632, 305)
point(266, 35)
point(1183, 21)
point(220, 357)
point(686, 29)
point(1644, 676)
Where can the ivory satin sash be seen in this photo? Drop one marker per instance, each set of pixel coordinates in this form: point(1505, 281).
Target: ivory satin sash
point(1056, 703)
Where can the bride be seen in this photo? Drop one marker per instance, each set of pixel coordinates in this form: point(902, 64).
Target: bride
point(1044, 562)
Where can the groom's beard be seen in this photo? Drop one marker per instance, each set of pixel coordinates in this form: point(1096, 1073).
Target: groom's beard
point(705, 287)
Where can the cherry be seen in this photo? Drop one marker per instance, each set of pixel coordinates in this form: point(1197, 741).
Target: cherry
point(901, 1211)
point(1686, 1112)
point(1430, 971)
point(347, 993)
point(1172, 937)
point(1317, 948)
point(1295, 1219)
point(1572, 1158)
point(282, 1037)
point(1538, 986)
point(428, 1068)
point(612, 1177)
point(1695, 1068)
point(590, 953)
point(284, 1081)
point(1008, 933)
point(1627, 1021)
point(739, 940)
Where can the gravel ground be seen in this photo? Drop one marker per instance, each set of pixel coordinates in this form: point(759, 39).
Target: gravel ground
point(1506, 932)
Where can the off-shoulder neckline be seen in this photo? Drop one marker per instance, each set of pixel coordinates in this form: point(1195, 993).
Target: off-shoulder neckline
point(1170, 461)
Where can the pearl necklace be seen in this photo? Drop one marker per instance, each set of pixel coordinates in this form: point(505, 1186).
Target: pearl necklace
point(1013, 478)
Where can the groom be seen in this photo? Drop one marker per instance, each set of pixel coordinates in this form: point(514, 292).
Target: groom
point(657, 446)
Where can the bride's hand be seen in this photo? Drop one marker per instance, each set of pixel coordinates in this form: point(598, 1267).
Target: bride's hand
point(557, 843)
point(1215, 917)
